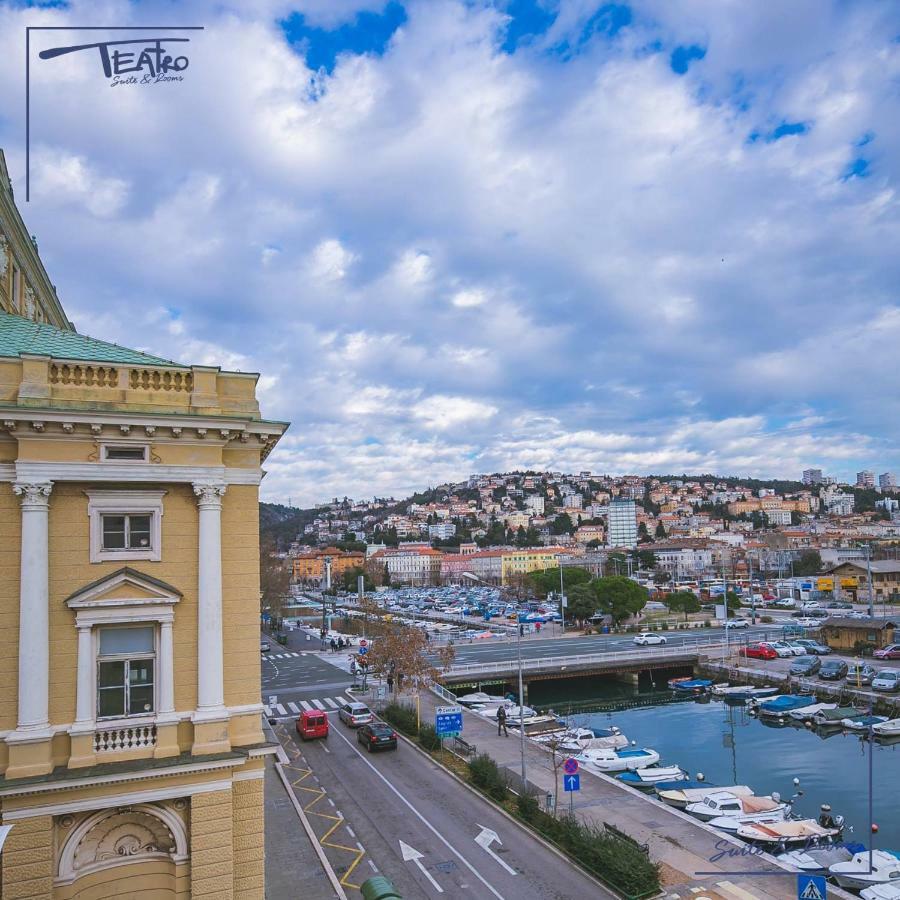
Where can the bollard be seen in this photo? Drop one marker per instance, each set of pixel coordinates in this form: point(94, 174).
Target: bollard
point(379, 888)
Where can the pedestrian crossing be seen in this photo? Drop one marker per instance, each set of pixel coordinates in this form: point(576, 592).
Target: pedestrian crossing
point(285, 655)
point(326, 704)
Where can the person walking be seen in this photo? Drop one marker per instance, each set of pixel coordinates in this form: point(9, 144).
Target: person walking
point(501, 722)
point(340, 643)
point(333, 645)
point(390, 684)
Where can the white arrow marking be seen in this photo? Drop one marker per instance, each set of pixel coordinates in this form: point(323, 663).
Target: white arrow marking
point(485, 838)
point(410, 853)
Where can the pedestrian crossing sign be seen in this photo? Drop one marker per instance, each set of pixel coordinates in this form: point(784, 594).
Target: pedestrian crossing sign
point(812, 887)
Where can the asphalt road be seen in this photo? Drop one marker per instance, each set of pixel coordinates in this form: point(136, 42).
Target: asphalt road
point(402, 796)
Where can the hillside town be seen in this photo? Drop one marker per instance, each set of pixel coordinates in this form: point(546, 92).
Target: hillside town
point(501, 526)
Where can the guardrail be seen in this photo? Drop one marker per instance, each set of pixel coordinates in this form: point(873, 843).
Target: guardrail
point(557, 662)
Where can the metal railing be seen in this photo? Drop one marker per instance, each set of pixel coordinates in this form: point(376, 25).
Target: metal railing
point(685, 650)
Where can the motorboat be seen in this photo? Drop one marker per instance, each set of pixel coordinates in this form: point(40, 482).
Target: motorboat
point(481, 699)
point(681, 795)
point(890, 728)
point(742, 692)
point(808, 832)
point(863, 723)
point(834, 718)
point(805, 713)
point(784, 704)
point(575, 740)
point(605, 759)
point(646, 779)
point(690, 685)
point(512, 711)
point(881, 892)
point(858, 874)
point(816, 860)
point(722, 804)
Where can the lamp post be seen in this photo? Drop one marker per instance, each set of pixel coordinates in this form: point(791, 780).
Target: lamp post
point(562, 598)
point(472, 577)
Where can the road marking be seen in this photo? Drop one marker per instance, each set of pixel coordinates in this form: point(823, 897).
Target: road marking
point(374, 867)
point(293, 707)
point(485, 838)
point(318, 704)
point(422, 819)
point(331, 703)
point(281, 710)
point(306, 706)
point(351, 832)
point(410, 853)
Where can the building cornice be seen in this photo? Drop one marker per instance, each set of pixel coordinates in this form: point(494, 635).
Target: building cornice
point(126, 473)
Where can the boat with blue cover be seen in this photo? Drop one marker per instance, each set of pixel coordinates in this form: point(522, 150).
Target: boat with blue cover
point(690, 685)
point(782, 705)
point(863, 723)
point(609, 760)
point(646, 779)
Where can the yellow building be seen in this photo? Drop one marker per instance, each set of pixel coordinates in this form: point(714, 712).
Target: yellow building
point(132, 756)
point(310, 566)
point(516, 563)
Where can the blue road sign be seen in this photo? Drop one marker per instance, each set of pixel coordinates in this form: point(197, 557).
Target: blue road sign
point(448, 721)
point(570, 766)
point(363, 651)
point(812, 887)
point(572, 782)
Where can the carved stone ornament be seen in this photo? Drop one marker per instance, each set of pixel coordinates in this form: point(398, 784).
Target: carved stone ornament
point(209, 494)
point(30, 302)
point(33, 493)
point(4, 255)
point(123, 835)
point(68, 427)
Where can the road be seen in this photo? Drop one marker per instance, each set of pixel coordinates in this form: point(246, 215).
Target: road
point(417, 825)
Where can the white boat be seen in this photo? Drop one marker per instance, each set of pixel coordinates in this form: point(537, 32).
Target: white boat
point(887, 729)
point(681, 798)
point(605, 759)
point(742, 691)
point(807, 712)
point(881, 892)
point(792, 831)
point(857, 874)
point(646, 778)
point(512, 712)
point(720, 804)
point(480, 698)
point(731, 824)
point(818, 859)
point(576, 740)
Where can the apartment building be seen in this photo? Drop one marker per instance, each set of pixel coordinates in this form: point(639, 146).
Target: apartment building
point(519, 562)
point(622, 529)
point(309, 566)
point(417, 566)
point(132, 757)
point(865, 479)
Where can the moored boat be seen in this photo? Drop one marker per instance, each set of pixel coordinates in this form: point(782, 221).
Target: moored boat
point(722, 804)
point(608, 760)
point(742, 692)
point(882, 892)
point(690, 685)
point(680, 796)
point(816, 860)
point(784, 704)
point(805, 713)
point(833, 718)
point(863, 723)
point(887, 729)
point(809, 832)
point(858, 874)
point(481, 699)
point(646, 779)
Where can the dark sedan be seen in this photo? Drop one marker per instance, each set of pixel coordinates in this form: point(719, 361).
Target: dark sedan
point(377, 736)
point(833, 670)
point(806, 665)
point(814, 647)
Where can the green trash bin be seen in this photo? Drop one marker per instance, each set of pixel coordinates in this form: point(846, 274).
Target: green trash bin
point(379, 888)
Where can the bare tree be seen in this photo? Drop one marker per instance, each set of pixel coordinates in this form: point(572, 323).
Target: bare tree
point(274, 579)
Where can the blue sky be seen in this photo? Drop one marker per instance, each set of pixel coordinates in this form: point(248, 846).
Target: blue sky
point(467, 236)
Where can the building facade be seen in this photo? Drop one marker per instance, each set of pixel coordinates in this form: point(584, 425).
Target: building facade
point(309, 568)
point(622, 528)
point(132, 758)
point(516, 563)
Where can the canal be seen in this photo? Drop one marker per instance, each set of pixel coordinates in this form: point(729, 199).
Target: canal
point(729, 746)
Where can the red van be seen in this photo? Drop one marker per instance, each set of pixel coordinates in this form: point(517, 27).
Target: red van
point(312, 724)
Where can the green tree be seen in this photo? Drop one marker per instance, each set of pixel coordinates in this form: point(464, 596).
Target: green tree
point(660, 530)
point(809, 563)
point(615, 563)
point(733, 603)
point(619, 596)
point(349, 579)
point(562, 524)
point(642, 532)
point(646, 559)
point(683, 601)
point(546, 581)
point(583, 602)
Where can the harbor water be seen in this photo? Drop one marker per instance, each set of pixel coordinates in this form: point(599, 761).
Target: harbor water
point(730, 746)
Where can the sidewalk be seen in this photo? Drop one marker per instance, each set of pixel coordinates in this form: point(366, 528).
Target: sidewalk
point(682, 845)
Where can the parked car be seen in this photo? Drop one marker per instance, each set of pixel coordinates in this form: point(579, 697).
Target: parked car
point(892, 651)
point(797, 647)
point(264, 647)
point(737, 623)
point(355, 714)
point(833, 669)
point(781, 649)
point(645, 638)
point(860, 674)
point(814, 647)
point(805, 665)
point(758, 651)
point(784, 603)
point(887, 680)
point(839, 604)
point(377, 736)
point(810, 604)
point(312, 724)
point(807, 621)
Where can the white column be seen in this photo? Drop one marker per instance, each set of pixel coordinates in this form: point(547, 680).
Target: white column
point(34, 612)
point(210, 689)
point(84, 689)
point(166, 664)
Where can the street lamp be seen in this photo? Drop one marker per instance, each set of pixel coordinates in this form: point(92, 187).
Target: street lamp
point(472, 577)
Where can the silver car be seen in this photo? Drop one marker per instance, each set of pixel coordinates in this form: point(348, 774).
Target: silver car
point(355, 714)
point(887, 680)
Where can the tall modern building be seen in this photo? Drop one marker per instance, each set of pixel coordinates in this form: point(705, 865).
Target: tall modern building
point(132, 755)
point(812, 476)
point(887, 481)
point(622, 529)
point(865, 479)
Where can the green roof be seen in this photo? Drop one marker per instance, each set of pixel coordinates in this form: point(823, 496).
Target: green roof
point(19, 335)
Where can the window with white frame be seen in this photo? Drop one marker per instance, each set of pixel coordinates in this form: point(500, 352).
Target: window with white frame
point(126, 663)
point(125, 452)
point(125, 525)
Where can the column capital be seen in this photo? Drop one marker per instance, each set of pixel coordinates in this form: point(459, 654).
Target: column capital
point(209, 494)
point(33, 494)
